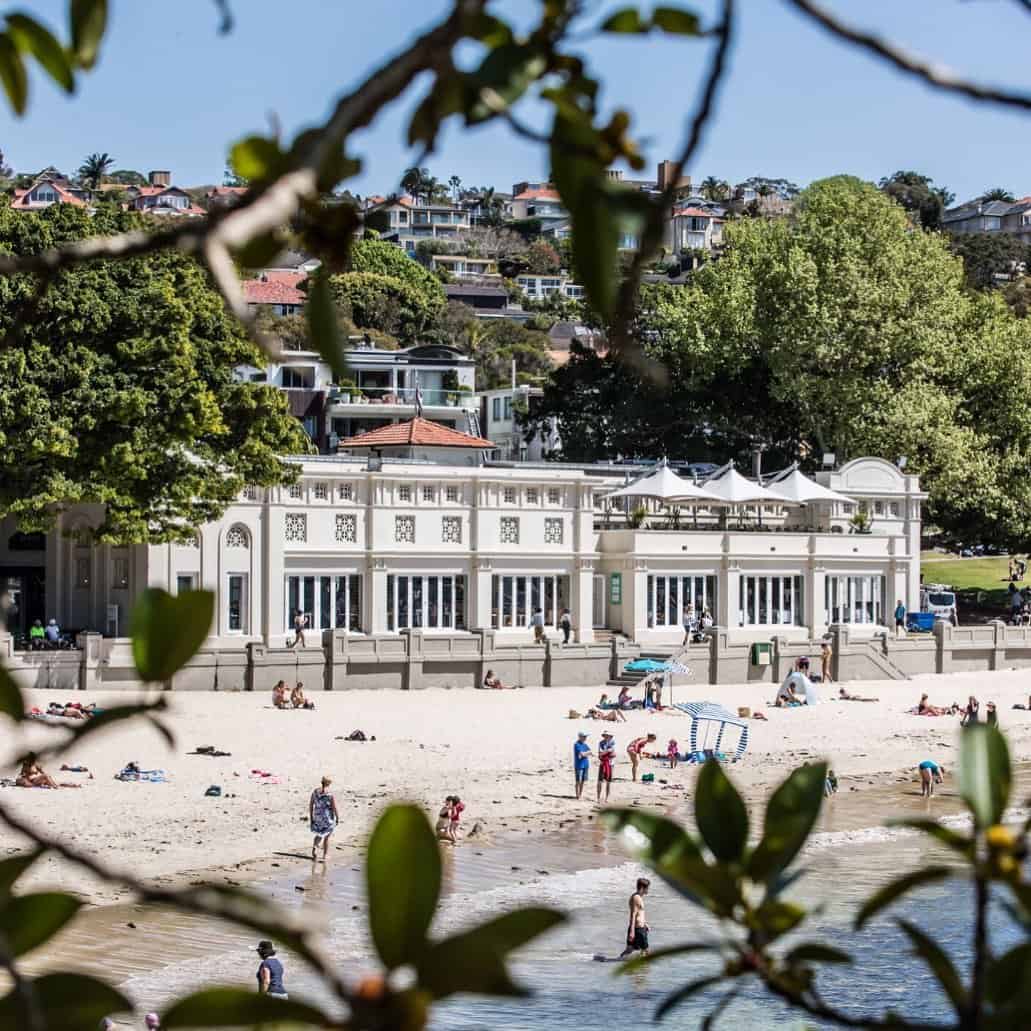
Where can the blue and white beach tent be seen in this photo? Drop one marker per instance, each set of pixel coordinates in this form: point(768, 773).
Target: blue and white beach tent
point(710, 717)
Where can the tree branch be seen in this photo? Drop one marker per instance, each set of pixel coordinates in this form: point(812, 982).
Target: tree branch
point(934, 75)
point(202, 900)
point(651, 236)
point(24, 988)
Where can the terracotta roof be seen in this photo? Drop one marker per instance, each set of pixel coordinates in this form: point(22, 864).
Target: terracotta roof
point(274, 290)
point(538, 195)
point(695, 212)
point(227, 191)
point(418, 432)
point(64, 196)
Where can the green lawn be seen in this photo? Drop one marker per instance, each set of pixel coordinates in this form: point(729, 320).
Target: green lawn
point(970, 574)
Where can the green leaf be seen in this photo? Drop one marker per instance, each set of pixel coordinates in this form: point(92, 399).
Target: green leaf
point(71, 1002)
point(813, 952)
point(89, 20)
point(504, 76)
point(676, 20)
point(260, 251)
point(790, 815)
point(27, 921)
point(627, 19)
point(685, 993)
point(951, 839)
point(474, 961)
point(256, 158)
point(940, 964)
point(596, 246)
point(402, 870)
point(677, 858)
point(489, 30)
point(167, 631)
point(899, 887)
point(31, 37)
point(984, 773)
point(776, 917)
point(1008, 974)
point(234, 1007)
point(447, 97)
point(11, 703)
point(12, 74)
point(324, 325)
point(11, 869)
point(720, 813)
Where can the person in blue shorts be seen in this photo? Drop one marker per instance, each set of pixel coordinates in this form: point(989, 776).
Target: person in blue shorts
point(930, 774)
point(581, 762)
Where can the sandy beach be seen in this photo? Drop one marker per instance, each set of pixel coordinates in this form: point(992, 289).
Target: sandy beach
point(507, 753)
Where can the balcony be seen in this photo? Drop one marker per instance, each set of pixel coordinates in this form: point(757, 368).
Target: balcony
point(370, 402)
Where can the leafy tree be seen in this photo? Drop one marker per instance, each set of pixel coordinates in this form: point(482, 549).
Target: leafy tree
point(997, 193)
point(541, 258)
point(715, 189)
point(386, 304)
point(230, 178)
point(919, 196)
point(767, 187)
point(127, 177)
point(385, 259)
point(119, 389)
point(93, 170)
point(989, 258)
point(495, 345)
point(455, 183)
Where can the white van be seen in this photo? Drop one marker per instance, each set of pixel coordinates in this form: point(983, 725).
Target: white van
point(940, 600)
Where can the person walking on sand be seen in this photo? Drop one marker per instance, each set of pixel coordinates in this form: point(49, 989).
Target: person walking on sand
point(322, 812)
point(270, 972)
point(634, 750)
point(606, 758)
point(826, 654)
point(637, 930)
point(581, 762)
point(930, 774)
point(900, 619)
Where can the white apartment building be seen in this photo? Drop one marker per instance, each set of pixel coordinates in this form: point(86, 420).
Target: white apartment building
point(409, 221)
point(538, 286)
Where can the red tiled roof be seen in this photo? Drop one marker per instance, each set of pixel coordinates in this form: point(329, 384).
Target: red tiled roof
point(418, 432)
point(273, 290)
point(62, 193)
point(538, 195)
point(227, 191)
point(695, 212)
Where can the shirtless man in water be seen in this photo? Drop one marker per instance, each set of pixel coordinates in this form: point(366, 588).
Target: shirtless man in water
point(637, 930)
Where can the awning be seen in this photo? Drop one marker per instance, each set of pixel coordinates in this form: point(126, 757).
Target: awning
point(798, 488)
point(664, 485)
point(734, 489)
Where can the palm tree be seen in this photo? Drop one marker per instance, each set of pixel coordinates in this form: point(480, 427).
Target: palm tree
point(997, 193)
point(93, 169)
point(414, 180)
point(456, 186)
point(715, 189)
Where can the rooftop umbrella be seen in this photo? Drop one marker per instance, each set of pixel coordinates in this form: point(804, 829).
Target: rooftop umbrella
point(664, 485)
point(798, 488)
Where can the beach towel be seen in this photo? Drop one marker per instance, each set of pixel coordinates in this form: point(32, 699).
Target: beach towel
point(264, 777)
point(133, 774)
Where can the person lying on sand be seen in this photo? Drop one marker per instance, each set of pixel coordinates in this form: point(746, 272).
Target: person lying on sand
point(924, 708)
point(612, 716)
point(846, 697)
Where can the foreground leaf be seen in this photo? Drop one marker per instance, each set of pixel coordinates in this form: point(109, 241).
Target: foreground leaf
point(12, 74)
point(120, 713)
point(946, 836)
point(11, 869)
point(625, 20)
point(11, 703)
point(27, 921)
point(813, 952)
point(685, 993)
point(89, 20)
point(791, 814)
point(984, 773)
point(474, 961)
point(167, 631)
point(71, 1002)
point(36, 39)
point(402, 870)
point(674, 950)
point(720, 813)
point(899, 887)
point(323, 325)
point(1009, 975)
point(940, 964)
point(676, 20)
point(234, 1007)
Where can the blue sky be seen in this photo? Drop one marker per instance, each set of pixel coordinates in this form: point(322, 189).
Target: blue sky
point(171, 93)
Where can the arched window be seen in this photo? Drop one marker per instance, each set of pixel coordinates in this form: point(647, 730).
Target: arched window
point(238, 537)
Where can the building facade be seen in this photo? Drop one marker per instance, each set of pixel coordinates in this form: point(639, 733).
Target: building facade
point(375, 551)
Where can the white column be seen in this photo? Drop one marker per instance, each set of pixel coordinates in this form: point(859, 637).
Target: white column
point(815, 590)
point(375, 601)
point(581, 602)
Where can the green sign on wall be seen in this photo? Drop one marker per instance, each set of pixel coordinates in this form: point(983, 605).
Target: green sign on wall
point(615, 589)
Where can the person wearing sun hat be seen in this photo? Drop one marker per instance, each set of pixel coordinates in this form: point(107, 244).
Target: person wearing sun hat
point(581, 762)
point(270, 972)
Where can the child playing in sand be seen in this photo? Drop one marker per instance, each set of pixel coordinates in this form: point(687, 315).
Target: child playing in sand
point(930, 774)
point(673, 753)
point(457, 808)
point(444, 821)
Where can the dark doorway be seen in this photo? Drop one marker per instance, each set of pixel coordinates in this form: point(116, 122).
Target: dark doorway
point(23, 589)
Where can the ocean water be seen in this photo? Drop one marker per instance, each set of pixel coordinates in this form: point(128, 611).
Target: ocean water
point(586, 874)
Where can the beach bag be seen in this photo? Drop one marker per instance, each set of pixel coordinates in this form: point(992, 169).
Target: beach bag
point(648, 778)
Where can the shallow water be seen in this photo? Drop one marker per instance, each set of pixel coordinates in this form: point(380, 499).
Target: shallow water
point(583, 872)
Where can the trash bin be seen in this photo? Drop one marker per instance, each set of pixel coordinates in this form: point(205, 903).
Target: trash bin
point(762, 653)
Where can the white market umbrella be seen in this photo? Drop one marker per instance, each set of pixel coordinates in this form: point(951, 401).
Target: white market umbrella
point(664, 485)
point(734, 489)
point(798, 488)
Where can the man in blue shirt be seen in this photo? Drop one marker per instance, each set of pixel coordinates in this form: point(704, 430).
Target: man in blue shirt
point(900, 619)
point(581, 762)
